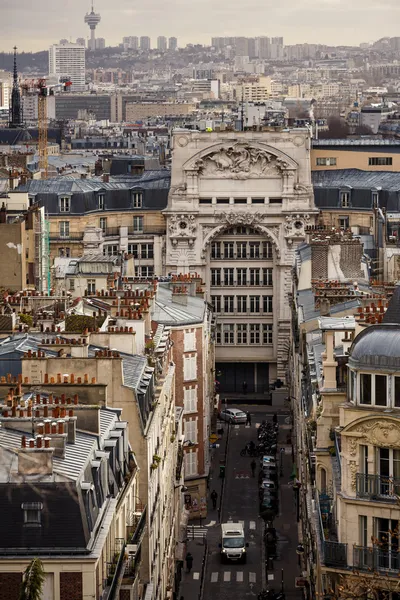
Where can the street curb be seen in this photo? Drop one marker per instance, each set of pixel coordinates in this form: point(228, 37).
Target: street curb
point(263, 572)
point(204, 573)
point(223, 481)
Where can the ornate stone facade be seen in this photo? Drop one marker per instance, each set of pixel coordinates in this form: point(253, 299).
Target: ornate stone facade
point(213, 175)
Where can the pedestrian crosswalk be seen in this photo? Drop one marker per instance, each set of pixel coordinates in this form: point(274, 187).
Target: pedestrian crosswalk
point(196, 531)
point(233, 576)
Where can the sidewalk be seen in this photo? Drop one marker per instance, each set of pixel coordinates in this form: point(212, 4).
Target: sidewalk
point(190, 586)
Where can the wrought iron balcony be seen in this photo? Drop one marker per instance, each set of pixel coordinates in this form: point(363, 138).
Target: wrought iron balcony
point(114, 570)
point(335, 554)
point(377, 487)
point(376, 559)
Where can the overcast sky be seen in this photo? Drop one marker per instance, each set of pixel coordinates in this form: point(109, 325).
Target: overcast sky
point(34, 25)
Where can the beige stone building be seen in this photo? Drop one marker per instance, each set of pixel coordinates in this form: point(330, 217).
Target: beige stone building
point(238, 207)
point(136, 111)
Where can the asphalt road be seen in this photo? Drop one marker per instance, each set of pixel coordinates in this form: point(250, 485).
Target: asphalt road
point(240, 503)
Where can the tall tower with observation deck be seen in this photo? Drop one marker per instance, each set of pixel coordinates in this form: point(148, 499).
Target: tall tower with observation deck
point(92, 19)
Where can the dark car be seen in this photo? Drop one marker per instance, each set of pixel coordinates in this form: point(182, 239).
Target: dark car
point(268, 503)
point(269, 486)
point(269, 472)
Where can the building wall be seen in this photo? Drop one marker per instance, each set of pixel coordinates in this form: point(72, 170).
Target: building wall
point(13, 267)
point(224, 182)
point(354, 159)
point(137, 110)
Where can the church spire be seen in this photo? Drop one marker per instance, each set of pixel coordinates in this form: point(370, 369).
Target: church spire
point(16, 109)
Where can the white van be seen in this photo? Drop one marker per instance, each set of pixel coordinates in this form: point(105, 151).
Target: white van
point(233, 546)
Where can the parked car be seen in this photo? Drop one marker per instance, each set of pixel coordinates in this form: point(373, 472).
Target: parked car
point(268, 485)
point(268, 472)
point(233, 415)
point(268, 502)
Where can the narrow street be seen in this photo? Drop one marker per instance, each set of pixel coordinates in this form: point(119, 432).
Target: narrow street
point(240, 503)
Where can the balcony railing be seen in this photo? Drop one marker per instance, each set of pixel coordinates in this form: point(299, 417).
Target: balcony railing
point(114, 570)
point(72, 237)
point(377, 487)
point(335, 554)
point(372, 558)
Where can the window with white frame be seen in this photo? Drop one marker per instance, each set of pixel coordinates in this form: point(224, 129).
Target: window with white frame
point(344, 199)
point(229, 304)
point(189, 368)
point(147, 251)
point(228, 276)
point(229, 333)
point(344, 222)
point(218, 335)
point(103, 224)
point(134, 250)
point(241, 303)
point(138, 224)
point(254, 276)
point(32, 513)
point(254, 304)
point(190, 430)
point(254, 333)
point(190, 400)
point(267, 276)
point(228, 249)
point(241, 275)
point(396, 385)
point(326, 162)
point(111, 250)
point(267, 250)
point(189, 340)
point(137, 199)
point(65, 204)
point(72, 284)
point(190, 464)
point(215, 276)
point(64, 229)
point(241, 333)
point(100, 201)
point(216, 250)
point(241, 249)
point(254, 250)
point(267, 334)
point(373, 389)
point(267, 304)
point(91, 286)
point(144, 271)
point(216, 304)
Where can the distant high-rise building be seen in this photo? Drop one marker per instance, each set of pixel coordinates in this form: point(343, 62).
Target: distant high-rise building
point(172, 43)
point(92, 19)
point(81, 41)
point(242, 46)
point(263, 47)
point(64, 41)
point(161, 43)
point(277, 40)
point(5, 90)
point(130, 42)
point(100, 43)
point(145, 43)
point(68, 60)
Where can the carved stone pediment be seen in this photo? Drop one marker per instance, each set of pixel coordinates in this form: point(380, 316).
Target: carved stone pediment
point(240, 161)
point(381, 433)
point(239, 218)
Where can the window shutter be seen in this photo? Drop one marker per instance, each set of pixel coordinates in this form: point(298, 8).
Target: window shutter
point(189, 368)
point(189, 341)
point(190, 400)
point(191, 463)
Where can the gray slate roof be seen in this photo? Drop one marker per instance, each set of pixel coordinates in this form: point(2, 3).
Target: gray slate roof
point(167, 312)
point(355, 178)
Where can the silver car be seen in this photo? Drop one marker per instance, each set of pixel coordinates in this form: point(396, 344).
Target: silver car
point(233, 415)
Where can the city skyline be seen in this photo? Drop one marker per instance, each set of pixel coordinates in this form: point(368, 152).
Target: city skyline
point(35, 28)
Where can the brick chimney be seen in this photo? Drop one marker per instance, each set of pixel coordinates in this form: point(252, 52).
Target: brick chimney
point(180, 294)
point(35, 457)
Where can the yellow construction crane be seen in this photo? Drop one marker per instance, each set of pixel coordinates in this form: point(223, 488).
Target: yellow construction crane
point(43, 90)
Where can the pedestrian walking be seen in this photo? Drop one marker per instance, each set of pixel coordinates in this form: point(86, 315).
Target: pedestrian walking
point(244, 387)
point(253, 466)
point(214, 497)
point(275, 419)
point(189, 562)
point(248, 418)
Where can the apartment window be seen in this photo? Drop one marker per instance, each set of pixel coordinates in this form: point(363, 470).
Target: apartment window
point(91, 286)
point(229, 333)
point(72, 284)
point(64, 229)
point(326, 162)
point(254, 333)
point(138, 224)
point(267, 250)
point(240, 201)
point(216, 304)
point(134, 250)
point(137, 199)
point(344, 199)
point(144, 271)
point(267, 276)
point(382, 161)
point(189, 368)
point(103, 224)
point(229, 304)
point(363, 530)
point(365, 388)
point(364, 459)
point(190, 465)
point(267, 304)
point(275, 200)
point(190, 400)
point(65, 204)
point(218, 335)
point(32, 513)
point(267, 334)
point(222, 200)
point(375, 199)
point(241, 302)
point(215, 276)
point(228, 276)
point(397, 392)
point(241, 249)
point(254, 276)
point(189, 341)
point(241, 276)
point(254, 304)
point(241, 230)
point(205, 201)
point(147, 251)
point(216, 250)
point(100, 201)
point(190, 430)
point(111, 250)
point(254, 250)
point(344, 222)
point(228, 249)
point(241, 334)
point(381, 390)
point(64, 252)
point(258, 200)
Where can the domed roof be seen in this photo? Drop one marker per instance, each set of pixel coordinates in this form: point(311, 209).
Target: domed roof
point(379, 345)
point(376, 346)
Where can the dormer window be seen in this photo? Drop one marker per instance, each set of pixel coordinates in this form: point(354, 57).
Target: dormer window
point(65, 204)
point(100, 201)
point(137, 199)
point(344, 199)
point(32, 513)
point(373, 390)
